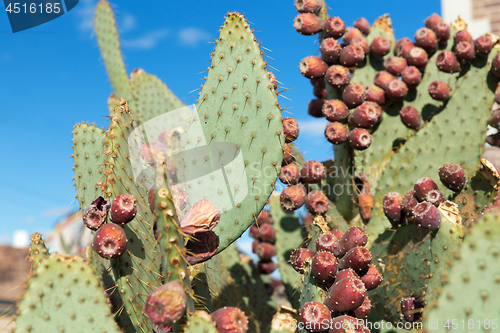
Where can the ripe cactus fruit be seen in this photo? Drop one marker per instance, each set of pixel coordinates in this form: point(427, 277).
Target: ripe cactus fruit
point(324, 266)
point(201, 247)
point(335, 110)
point(353, 95)
point(426, 39)
point(287, 154)
point(452, 176)
point(365, 203)
point(411, 308)
point(315, 106)
point(123, 209)
point(375, 94)
point(439, 91)
point(366, 115)
point(351, 55)
point(299, 257)
point(358, 258)
point(326, 242)
point(230, 320)
point(337, 233)
point(432, 21)
point(411, 76)
point(447, 62)
point(396, 90)
point(427, 216)
point(465, 51)
point(354, 236)
point(363, 310)
point(494, 120)
point(264, 217)
point(290, 174)
point(293, 197)
point(342, 274)
point(346, 295)
point(266, 267)
point(290, 129)
point(265, 250)
point(200, 217)
point(330, 49)
point(336, 133)
point(362, 25)
point(434, 197)
point(383, 78)
point(308, 6)
point(95, 214)
point(372, 278)
point(495, 65)
point(110, 241)
point(315, 317)
point(359, 139)
point(483, 45)
point(392, 207)
point(409, 203)
point(462, 36)
point(166, 304)
point(320, 92)
point(345, 324)
point(423, 186)
point(395, 65)
point(313, 67)
point(267, 233)
point(350, 33)
point(316, 202)
point(361, 41)
point(334, 27)
point(442, 31)
point(338, 76)
point(403, 47)
point(417, 57)
point(380, 46)
point(307, 24)
point(312, 172)
point(410, 117)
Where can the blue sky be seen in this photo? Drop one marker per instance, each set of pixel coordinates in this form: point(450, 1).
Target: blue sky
point(53, 77)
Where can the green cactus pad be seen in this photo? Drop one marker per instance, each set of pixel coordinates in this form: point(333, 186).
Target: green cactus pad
point(199, 280)
point(239, 111)
point(37, 251)
point(64, 295)
point(200, 322)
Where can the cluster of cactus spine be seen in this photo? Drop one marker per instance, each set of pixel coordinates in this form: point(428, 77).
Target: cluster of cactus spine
point(413, 112)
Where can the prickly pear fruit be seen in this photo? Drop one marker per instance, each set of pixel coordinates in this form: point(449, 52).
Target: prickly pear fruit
point(308, 6)
point(264, 217)
point(365, 203)
point(336, 133)
point(330, 49)
point(452, 176)
point(380, 46)
point(287, 154)
point(346, 295)
point(316, 202)
point(462, 36)
point(345, 324)
point(358, 258)
point(465, 52)
point(351, 55)
point(432, 21)
point(410, 117)
point(293, 197)
point(350, 33)
point(299, 257)
point(338, 76)
point(267, 233)
point(334, 27)
point(290, 129)
point(254, 231)
point(312, 172)
point(337, 233)
point(443, 32)
point(326, 242)
point(395, 65)
point(375, 94)
point(342, 274)
point(383, 78)
point(427, 216)
point(396, 90)
point(335, 110)
point(110, 241)
point(392, 207)
point(307, 24)
point(353, 95)
point(372, 278)
point(123, 209)
point(483, 45)
point(266, 267)
point(417, 57)
point(312, 67)
point(439, 91)
point(362, 25)
point(200, 217)
point(423, 186)
point(265, 251)
point(403, 47)
point(290, 174)
point(411, 76)
point(426, 39)
point(95, 214)
point(230, 320)
point(447, 62)
point(324, 266)
point(434, 197)
point(315, 317)
point(354, 236)
point(411, 308)
point(359, 139)
point(409, 203)
point(363, 310)
point(361, 41)
point(494, 120)
point(166, 304)
point(201, 247)
point(315, 106)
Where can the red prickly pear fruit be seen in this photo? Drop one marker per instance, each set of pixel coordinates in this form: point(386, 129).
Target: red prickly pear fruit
point(315, 108)
point(351, 55)
point(365, 203)
point(465, 51)
point(290, 174)
point(267, 233)
point(330, 49)
point(308, 6)
point(345, 324)
point(426, 39)
point(452, 176)
point(483, 45)
point(336, 133)
point(312, 67)
point(312, 172)
point(495, 65)
point(380, 46)
point(411, 308)
point(255, 244)
point(447, 62)
point(264, 217)
point(354, 236)
point(462, 36)
point(383, 78)
point(315, 317)
point(201, 217)
point(320, 93)
point(434, 197)
point(266, 267)
point(338, 76)
point(316, 202)
point(417, 57)
point(353, 95)
point(409, 203)
point(346, 295)
point(361, 41)
point(299, 257)
point(95, 214)
point(403, 47)
point(392, 207)
point(410, 117)
point(439, 91)
point(318, 82)
point(432, 21)
point(110, 241)
point(372, 278)
point(365, 116)
point(442, 31)
point(334, 27)
point(123, 209)
point(362, 25)
point(324, 267)
point(423, 186)
point(493, 139)
point(363, 310)
point(265, 251)
point(293, 197)
point(308, 24)
point(359, 139)
point(254, 231)
point(202, 247)
point(230, 320)
point(396, 90)
point(395, 65)
point(374, 94)
point(335, 110)
point(337, 233)
point(326, 242)
point(411, 76)
point(427, 216)
point(166, 304)
point(290, 129)
point(342, 274)
point(350, 33)
point(287, 154)
point(273, 79)
point(358, 258)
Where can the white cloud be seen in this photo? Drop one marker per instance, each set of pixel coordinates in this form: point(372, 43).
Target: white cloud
point(85, 12)
point(147, 41)
point(315, 127)
point(56, 211)
point(127, 23)
point(192, 36)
